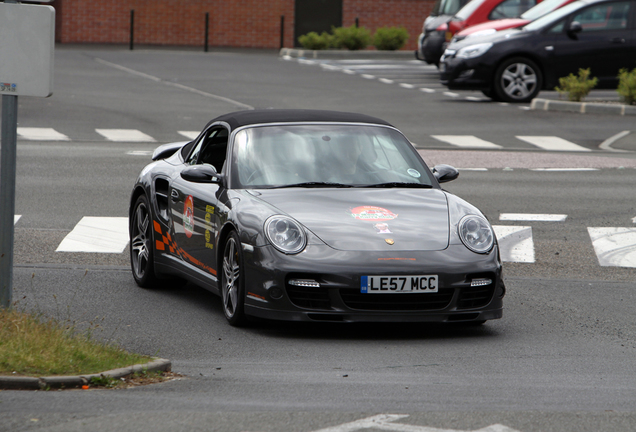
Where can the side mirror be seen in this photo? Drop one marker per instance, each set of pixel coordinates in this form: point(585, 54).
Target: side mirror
point(445, 173)
point(201, 174)
point(574, 28)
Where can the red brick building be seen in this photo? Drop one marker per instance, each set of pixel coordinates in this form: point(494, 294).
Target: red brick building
point(231, 23)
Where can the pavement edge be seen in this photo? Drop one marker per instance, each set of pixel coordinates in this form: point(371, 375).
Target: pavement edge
point(582, 107)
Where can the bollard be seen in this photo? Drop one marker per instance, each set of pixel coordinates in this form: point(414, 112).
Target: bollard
point(132, 29)
point(207, 30)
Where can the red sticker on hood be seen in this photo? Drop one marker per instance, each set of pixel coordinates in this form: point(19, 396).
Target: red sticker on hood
point(188, 216)
point(372, 213)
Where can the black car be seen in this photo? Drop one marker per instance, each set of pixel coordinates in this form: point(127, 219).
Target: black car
point(430, 44)
point(514, 65)
point(314, 216)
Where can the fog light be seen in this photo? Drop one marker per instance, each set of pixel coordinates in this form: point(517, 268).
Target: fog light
point(275, 293)
point(467, 73)
point(304, 283)
point(480, 282)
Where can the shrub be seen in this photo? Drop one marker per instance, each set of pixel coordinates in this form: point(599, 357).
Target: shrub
point(314, 41)
point(627, 86)
point(352, 38)
point(577, 87)
point(390, 38)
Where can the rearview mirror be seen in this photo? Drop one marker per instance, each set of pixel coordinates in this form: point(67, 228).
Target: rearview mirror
point(575, 27)
point(201, 174)
point(445, 173)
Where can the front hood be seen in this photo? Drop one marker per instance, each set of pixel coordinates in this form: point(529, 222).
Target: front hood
point(499, 37)
point(368, 219)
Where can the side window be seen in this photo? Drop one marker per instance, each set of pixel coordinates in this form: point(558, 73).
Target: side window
point(214, 149)
point(607, 16)
point(194, 156)
point(511, 9)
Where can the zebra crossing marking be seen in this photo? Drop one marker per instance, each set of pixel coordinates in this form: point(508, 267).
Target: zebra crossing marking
point(125, 135)
point(97, 235)
point(614, 247)
point(552, 143)
point(531, 217)
point(41, 134)
point(515, 243)
point(468, 141)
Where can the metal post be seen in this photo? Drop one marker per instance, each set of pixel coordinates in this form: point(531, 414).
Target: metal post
point(207, 30)
point(8, 159)
point(282, 31)
point(132, 29)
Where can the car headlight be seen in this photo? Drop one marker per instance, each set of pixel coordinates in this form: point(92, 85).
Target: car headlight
point(285, 234)
point(472, 51)
point(476, 233)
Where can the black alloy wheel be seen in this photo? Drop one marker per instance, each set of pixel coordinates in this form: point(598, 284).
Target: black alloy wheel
point(141, 246)
point(518, 79)
point(232, 283)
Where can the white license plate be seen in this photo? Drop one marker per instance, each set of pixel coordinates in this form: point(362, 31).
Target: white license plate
point(420, 284)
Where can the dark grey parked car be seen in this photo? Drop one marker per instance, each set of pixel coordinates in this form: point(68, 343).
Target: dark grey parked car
point(430, 44)
point(514, 65)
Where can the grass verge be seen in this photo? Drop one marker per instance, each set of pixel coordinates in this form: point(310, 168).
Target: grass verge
point(33, 346)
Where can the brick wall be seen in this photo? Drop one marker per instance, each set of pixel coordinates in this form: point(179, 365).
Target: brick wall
point(232, 23)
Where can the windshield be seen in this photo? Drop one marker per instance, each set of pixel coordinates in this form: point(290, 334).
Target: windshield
point(468, 10)
point(541, 9)
point(552, 17)
point(325, 155)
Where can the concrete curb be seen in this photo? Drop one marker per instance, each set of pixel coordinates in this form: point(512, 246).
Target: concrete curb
point(75, 381)
point(582, 107)
point(345, 54)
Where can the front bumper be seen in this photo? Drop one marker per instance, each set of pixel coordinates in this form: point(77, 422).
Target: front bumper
point(465, 74)
point(432, 46)
point(338, 298)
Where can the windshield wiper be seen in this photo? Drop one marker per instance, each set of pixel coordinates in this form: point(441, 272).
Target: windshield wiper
point(398, 185)
point(314, 185)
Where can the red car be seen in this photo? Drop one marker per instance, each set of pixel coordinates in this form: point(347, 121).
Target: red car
point(479, 11)
point(531, 14)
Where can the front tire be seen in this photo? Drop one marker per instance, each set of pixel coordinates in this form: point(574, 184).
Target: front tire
point(518, 79)
point(232, 281)
point(141, 244)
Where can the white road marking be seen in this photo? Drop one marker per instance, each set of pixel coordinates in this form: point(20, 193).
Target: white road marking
point(427, 90)
point(564, 169)
point(472, 169)
point(634, 220)
point(614, 247)
point(607, 144)
point(190, 134)
point(16, 218)
point(534, 217)
point(41, 134)
point(367, 76)
point(349, 71)
point(386, 81)
point(385, 422)
point(468, 141)
point(515, 243)
point(97, 234)
point(125, 135)
point(552, 143)
point(451, 94)
point(139, 153)
point(407, 86)
point(475, 99)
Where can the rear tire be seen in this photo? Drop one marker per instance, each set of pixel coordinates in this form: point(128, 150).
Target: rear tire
point(518, 79)
point(142, 244)
point(232, 281)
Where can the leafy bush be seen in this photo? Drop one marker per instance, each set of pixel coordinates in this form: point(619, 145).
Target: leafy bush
point(577, 87)
point(390, 38)
point(314, 41)
point(627, 86)
point(352, 38)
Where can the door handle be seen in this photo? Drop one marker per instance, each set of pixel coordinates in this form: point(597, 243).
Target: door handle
point(617, 40)
point(174, 195)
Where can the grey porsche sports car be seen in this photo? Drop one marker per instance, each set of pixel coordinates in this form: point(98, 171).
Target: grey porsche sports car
point(313, 215)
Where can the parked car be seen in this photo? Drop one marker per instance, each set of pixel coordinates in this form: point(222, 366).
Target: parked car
point(308, 215)
point(430, 44)
point(489, 27)
point(514, 65)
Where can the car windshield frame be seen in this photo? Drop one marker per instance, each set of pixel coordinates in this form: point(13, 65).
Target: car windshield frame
point(543, 8)
point(551, 18)
point(329, 155)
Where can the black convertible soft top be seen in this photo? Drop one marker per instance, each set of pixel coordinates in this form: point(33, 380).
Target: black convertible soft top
point(244, 118)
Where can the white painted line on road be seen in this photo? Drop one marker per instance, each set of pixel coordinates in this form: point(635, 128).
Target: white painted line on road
point(515, 243)
point(427, 90)
point(614, 247)
point(552, 143)
point(524, 108)
point(407, 86)
point(468, 141)
point(451, 94)
point(475, 99)
point(139, 153)
point(634, 220)
point(386, 81)
point(367, 76)
point(385, 422)
point(16, 218)
point(607, 144)
point(532, 217)
point(564, 169)
point(190, 134)
point(125, 135)
point(472, 169)
point(97, 234)
point(41, 134)
point(349, 71)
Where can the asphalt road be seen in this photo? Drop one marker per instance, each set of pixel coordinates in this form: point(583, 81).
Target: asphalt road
point(561, 359)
